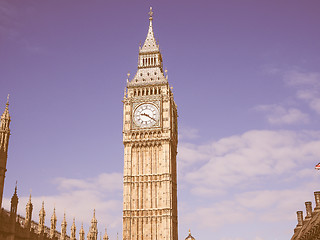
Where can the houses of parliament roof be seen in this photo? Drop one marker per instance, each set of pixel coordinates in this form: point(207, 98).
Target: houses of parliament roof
point(309, 227)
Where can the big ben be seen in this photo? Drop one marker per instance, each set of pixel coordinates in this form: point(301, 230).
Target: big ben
point(150, 138)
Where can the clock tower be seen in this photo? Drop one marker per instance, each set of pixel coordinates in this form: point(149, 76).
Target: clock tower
point(150, 138)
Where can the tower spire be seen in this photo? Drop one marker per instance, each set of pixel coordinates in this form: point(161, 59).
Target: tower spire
point(150, 69)
point(42, 215)
point(14, 201)
point(4, 143)
point(6, 114)
point(63, 228)
point(150, 44)
point(93, 231)
point(73, 230)
point(53, 223)
point(29, 208)
point(105, 237)
point(13, 210)
point(81, 233)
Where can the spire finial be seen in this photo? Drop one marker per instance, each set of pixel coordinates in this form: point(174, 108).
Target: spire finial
point(150, 14)
point(128, 75)
point(15, 195)
point(54, 216)
point(189, 231)
point(8, 99)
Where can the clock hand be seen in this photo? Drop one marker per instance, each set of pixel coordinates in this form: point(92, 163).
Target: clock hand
point(144, 114)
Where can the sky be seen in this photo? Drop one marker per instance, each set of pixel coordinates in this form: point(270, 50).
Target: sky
point(246, 79)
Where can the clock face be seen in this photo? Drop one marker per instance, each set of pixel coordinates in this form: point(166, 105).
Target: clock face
point(146, 115)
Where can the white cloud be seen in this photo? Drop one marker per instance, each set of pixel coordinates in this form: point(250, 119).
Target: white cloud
point(105, 181)
point(269, 207)
point(277, 114)
point(259, 176)
point(306, 94)
point(315, 105)
point(244, 159)
point(309, 87)
point(231, 239)
point(276, 205)
point(187, 133)
point(218, 214)
point(239, 238)
point(298, 78)
point(104, 193)
point(190, 154)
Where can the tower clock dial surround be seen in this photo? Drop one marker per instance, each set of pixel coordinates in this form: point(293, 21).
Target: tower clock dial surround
point(146, 115)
